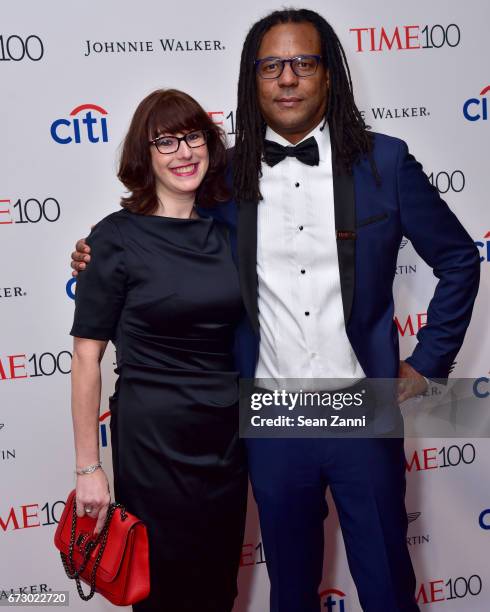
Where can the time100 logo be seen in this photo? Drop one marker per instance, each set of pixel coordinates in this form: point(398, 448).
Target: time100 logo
point(14, 48)
point(32, 210)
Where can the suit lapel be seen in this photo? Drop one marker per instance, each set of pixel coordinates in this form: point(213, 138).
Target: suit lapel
point(345, 224)
point(247, 259)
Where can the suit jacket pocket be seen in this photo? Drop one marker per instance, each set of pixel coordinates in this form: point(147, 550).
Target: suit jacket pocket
point(372, 219)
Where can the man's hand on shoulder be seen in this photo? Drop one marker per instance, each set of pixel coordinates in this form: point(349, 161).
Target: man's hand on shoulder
point(80, 257)
point(410, 382)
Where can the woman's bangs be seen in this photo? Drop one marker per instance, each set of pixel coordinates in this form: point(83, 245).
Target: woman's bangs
point(172, 116)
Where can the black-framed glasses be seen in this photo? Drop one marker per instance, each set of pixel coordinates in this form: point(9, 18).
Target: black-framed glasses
point(301, 65)
point(171, 144)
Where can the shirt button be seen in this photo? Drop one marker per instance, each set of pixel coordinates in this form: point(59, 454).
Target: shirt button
point(300, 228)
point(296, 184)
point(307, 313)
point(303, 271)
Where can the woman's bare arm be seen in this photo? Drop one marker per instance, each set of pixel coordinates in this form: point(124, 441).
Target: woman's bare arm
point(92, 489)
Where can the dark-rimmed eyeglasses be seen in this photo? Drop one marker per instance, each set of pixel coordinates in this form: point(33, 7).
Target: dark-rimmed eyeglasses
point(171, 144)
point(301, 65)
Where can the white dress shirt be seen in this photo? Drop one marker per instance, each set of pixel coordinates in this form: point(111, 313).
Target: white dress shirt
point(301, 316)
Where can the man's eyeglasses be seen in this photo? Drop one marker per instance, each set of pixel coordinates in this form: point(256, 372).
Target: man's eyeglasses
point(171, 144)
point(301, 65)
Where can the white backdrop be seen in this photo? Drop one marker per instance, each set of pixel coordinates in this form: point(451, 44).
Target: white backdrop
point(428, 88)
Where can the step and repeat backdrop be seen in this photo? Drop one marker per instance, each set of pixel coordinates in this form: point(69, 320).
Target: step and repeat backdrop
point(71, 77)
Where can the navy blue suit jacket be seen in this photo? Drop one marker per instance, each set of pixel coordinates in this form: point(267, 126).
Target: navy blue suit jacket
point(370, 222)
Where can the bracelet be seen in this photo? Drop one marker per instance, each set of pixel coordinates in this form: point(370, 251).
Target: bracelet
point(90, 469)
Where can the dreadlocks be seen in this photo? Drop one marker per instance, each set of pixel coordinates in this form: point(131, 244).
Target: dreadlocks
point(348, 132)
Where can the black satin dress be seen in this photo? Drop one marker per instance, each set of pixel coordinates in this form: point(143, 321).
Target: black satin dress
point(166, 292)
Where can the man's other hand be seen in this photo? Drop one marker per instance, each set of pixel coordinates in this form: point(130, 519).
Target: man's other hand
point(410, 382)
point(80, 257)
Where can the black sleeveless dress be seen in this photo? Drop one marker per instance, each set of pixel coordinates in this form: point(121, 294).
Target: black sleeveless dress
point(166, 292)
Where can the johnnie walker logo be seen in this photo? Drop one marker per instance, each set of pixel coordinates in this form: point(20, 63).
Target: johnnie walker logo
point(165, 45)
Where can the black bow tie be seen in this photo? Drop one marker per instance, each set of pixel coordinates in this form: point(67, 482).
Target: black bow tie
point(306, 152)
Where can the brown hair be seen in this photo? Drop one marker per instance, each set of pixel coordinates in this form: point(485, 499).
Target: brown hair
point(168, 111)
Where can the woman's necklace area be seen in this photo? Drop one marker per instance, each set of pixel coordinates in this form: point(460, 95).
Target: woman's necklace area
point(191, 214)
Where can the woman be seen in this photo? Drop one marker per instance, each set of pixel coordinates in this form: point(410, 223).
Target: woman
point(163, 287)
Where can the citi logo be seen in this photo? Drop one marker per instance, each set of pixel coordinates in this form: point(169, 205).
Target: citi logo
point(484, 247)
point(81, 126)
point(333, 600)
point(484, 519)
point(481, 387)
point(70, 288)
point(475, 109)
point(103, 427)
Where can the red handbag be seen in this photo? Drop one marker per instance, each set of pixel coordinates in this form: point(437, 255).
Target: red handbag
point(114, 563)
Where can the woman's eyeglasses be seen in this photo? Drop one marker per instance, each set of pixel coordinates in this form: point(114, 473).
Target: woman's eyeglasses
point(171, 144)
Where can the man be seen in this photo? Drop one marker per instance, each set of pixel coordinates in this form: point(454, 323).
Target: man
point(319, 228)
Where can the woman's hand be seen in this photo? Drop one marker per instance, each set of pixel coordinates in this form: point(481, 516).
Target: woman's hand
point(92, 491)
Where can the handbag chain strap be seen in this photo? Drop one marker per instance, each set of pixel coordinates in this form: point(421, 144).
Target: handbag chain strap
point(68, 562)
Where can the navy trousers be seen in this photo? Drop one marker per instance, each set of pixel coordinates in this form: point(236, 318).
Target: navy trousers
point(367, 480)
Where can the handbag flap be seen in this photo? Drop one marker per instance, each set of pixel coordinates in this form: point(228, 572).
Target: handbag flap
point(117, 540)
